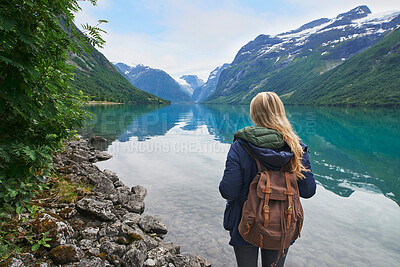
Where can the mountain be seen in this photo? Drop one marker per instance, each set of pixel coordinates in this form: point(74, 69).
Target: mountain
point(371, 77)
point(154, 81)
point(96, 77)
point(288, 61)
point(208, 88)
point(189, 83)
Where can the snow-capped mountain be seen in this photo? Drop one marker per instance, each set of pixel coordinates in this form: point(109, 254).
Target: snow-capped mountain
point(189, 83)
point(284, 61)
point(154, 81)
point(202, 92)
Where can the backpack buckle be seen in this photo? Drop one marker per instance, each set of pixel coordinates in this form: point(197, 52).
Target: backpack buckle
point(266, 208)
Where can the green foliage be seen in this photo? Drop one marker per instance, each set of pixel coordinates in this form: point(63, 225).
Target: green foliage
point(371, 78)
point(42, 241)
point(37, 112)
point(94, 33)
point(15, 239)
point(97, 78)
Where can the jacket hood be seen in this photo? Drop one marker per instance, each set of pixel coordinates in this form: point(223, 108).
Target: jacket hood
point(267, 145)
point(261, 137)
point(270, 158)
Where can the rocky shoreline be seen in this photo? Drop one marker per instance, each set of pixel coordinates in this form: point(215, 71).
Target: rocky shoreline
point(103, 227)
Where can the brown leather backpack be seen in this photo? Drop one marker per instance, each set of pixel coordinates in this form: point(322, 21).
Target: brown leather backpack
point(272, 216)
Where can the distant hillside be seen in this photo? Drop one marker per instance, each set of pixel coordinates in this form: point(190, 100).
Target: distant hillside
point(189, 83)
point(96, 77)
point(371, 77)
point(203, 91)
point(289, 62)
point(154, 81)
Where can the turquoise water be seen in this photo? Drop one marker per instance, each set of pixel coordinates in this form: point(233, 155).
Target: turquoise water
point(178, 153)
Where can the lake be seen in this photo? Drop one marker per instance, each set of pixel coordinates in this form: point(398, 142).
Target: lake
point(178, 153)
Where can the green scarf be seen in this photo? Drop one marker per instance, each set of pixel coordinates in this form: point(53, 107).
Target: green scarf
point(261, 137)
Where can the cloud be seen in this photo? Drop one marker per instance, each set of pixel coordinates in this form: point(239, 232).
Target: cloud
point(194, 37)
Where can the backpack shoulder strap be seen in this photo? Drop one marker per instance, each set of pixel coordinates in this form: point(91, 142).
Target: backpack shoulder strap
point(259, 165)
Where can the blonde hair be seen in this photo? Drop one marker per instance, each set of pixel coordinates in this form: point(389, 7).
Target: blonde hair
point(267, 110)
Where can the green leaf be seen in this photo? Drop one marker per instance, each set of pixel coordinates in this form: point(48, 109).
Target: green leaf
point(19, 209)
point(35, 247)
point(13, 194)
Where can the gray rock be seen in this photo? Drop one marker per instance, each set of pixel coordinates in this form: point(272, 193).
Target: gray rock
point(131, 219)
point(86, 244)
point(139, 191)
point(130, 201)
point(151, 224)
point(171, 247)
point(95, 177)
point(197, 261)
point(96, 208)
point(151, 242)
point(90, 262)
point(16, 263)
point(81, 157)
point(135, 256)
point(93, 252)
point(105, 186)
point(126, 230)
point(118, 184)
point(149, 262)
point(27, 259)
point(111, 175)
point(101, 155)
point(114, 228)
point(120, 212)
point(90, 233)
point(64, 254)
point(160, 255)
point(111, 248)
point(67, 212)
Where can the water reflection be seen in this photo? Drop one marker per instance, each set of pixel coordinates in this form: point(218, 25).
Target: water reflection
point(351, 147)
point(110, 121)
point(353, 156)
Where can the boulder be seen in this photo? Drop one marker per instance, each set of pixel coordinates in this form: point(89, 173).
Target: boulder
point(111, 175)
point(130, 201)
point(160, 255)
point(151, 224)
point(64, 254)
point(90, 233)
point(111, 248)
point(91, 262)
point(22, 260)
point(105, 186)
point(99, 209)
point(86, 244)
point(59, 230)
point(131, 219)
point(136, 254)
point(101, 155)
point(139, 191)
point(98, 142)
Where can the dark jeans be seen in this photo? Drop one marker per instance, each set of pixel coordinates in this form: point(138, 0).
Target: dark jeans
point(248, 257)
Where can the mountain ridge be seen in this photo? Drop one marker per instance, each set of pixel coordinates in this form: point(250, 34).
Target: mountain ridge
point(96, 77)
point(154, 81)
point(285, 61)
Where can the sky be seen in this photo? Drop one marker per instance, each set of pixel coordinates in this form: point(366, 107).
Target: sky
point(196, 36)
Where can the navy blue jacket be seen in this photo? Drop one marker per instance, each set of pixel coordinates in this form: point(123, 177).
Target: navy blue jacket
point(240, 169)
